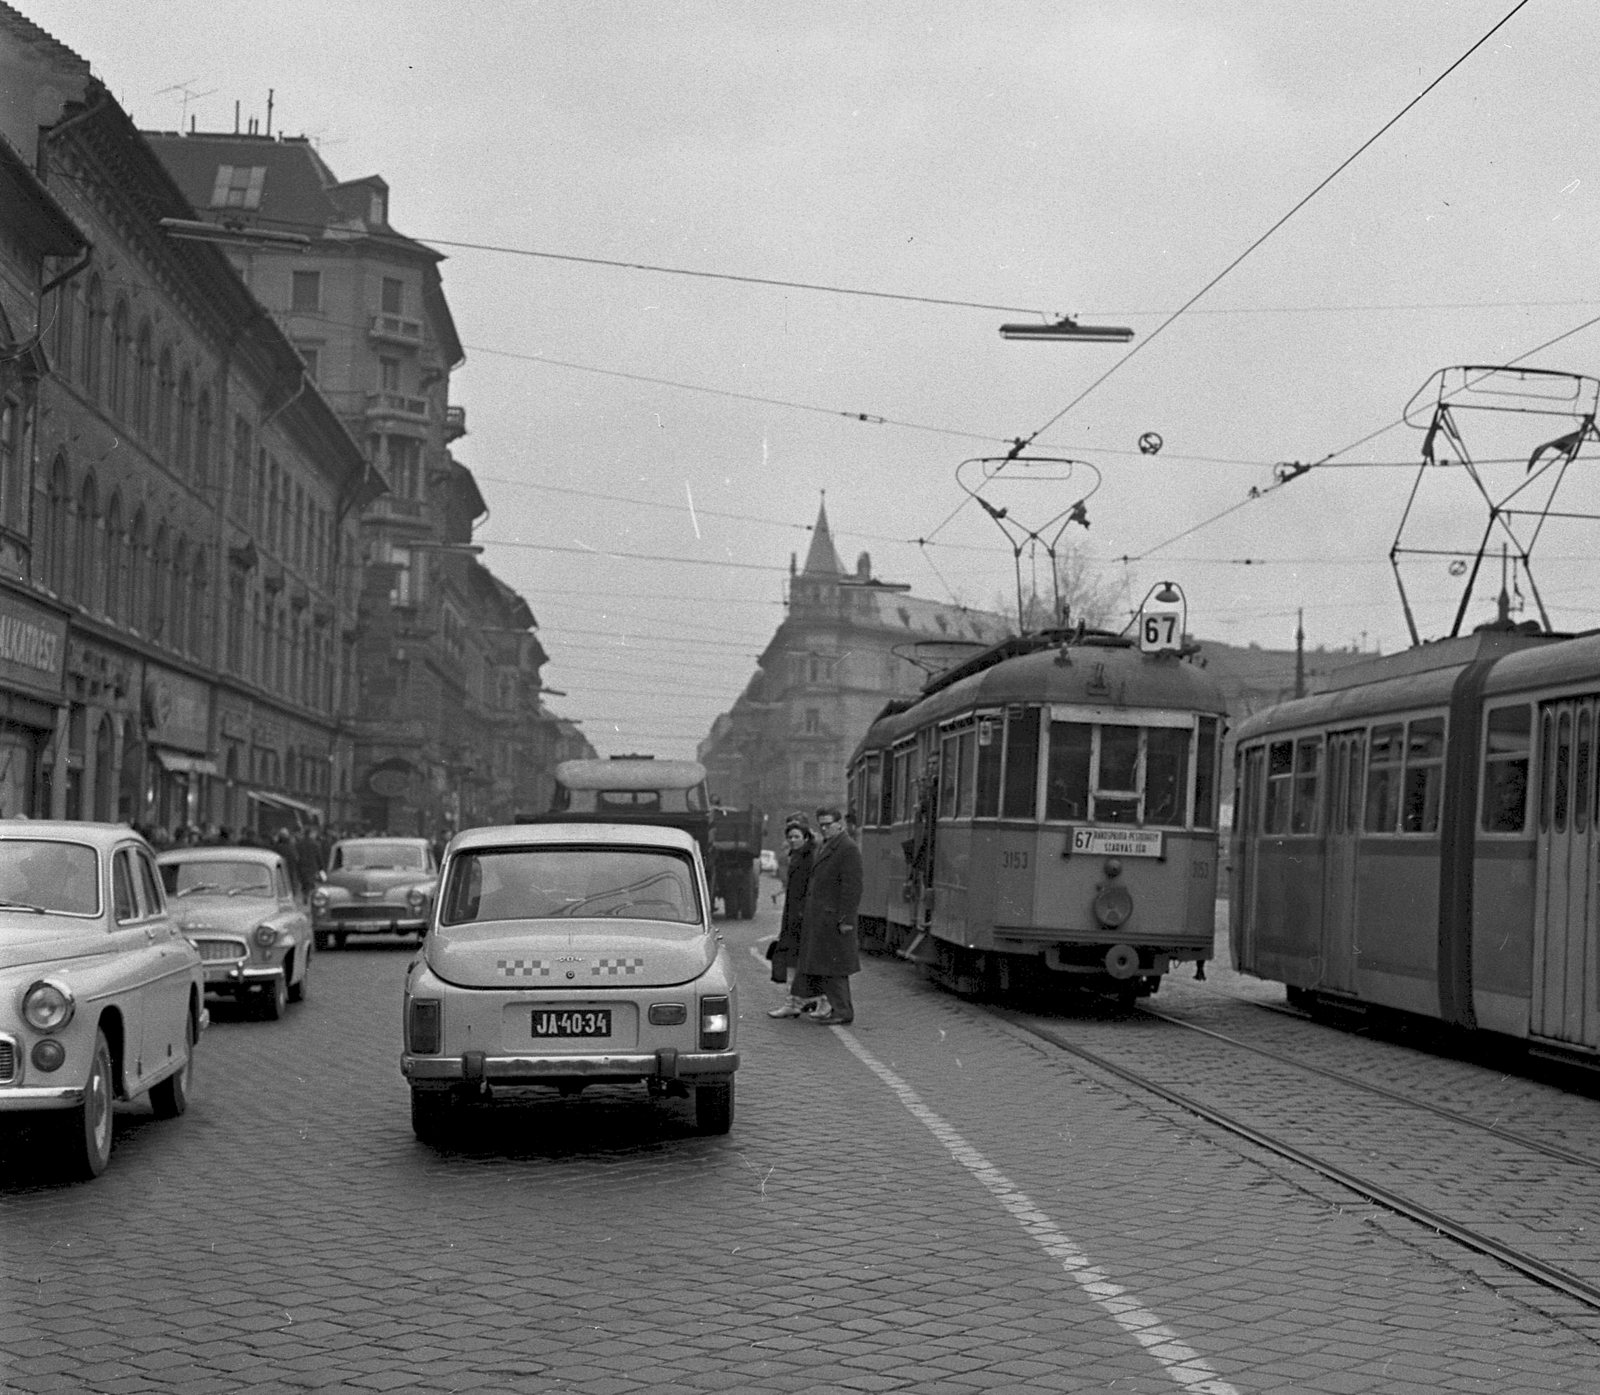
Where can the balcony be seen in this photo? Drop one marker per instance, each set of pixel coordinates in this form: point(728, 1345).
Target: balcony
point(393, 506)
point(455, 423)
point(396, 406)
point(395, 329)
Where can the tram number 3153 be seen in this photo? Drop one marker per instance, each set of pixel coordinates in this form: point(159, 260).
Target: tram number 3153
point(1013, 859)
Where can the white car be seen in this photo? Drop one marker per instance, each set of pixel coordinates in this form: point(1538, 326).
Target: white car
point(566, 955)
point(769, 862)
point(101, 999)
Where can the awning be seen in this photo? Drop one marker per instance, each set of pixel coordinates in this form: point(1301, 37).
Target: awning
point(282, 801)
point(185, 764)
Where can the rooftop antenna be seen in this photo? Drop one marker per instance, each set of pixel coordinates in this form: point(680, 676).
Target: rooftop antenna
point(185, 90)
point(269, 111)
point(236, 118)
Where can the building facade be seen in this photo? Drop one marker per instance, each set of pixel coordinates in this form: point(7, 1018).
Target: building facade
point(448, 727)
point(848, 644)
point(190, 499)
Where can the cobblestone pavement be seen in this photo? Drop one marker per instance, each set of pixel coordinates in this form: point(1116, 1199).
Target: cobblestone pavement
point(926, 1202)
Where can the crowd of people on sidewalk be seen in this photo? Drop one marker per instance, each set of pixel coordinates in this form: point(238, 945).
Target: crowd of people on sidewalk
point(817, 938)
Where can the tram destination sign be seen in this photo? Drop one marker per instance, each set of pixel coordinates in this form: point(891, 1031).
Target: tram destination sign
point(1116, 842)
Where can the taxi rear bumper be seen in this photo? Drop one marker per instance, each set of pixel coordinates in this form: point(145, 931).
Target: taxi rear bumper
point(476, 1067)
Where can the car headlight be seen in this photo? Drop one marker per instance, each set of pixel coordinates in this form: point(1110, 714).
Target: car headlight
point(416, 898)
point(319, 897)
point(266, 936)
point(48, 1006)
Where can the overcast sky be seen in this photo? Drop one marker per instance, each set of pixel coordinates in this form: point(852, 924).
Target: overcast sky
point(1102, 160)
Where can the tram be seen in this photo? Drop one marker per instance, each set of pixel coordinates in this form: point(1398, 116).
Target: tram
point(1424, 835)
point(1045, 814)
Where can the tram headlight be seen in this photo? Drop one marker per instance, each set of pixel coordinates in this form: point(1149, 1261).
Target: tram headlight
point(1113, 905)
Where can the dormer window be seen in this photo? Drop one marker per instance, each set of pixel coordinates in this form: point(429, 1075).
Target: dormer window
point(238, 186)
point(378, 212)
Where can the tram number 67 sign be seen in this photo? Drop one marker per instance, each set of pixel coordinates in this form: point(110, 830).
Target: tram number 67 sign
point(1158, 632)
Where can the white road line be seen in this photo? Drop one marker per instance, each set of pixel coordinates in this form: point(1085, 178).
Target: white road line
point(1180, 1361)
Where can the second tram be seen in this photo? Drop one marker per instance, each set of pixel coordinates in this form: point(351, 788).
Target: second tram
point(1045, 812)
point(1425, 836)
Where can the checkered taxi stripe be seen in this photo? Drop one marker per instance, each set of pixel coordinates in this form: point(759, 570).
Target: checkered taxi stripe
point(543, 968)
point(523, 968)
point(617, 966)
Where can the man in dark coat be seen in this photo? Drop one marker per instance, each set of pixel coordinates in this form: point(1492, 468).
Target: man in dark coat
point(828, 953)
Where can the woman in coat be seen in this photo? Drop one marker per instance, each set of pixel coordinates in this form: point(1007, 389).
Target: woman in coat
point(785, 949)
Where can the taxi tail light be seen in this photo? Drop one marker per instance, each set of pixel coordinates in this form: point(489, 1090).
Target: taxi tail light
point(716, 1024)
point(423, 1026)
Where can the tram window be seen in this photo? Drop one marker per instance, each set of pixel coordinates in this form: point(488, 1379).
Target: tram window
point(905, 784)
point(990, 744)
point(885, 809)
point(1280, 776)
point(874, 799)
point(1424, 781)
point(1581, 775)
point(1116, 797)
point(1022, 765)
point(967, 746)
point(1307, 768)
point(947, 777)
point(1563, 775)
point(1066, 793)
point(1205, 776)
point(1507, 742)
point(1384, 757)
point(1166, 774)
point(1547, 763)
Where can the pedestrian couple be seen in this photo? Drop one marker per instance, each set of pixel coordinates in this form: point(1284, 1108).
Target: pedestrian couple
point(818, 935)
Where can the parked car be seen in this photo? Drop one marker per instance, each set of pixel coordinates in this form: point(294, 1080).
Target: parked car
point(567, 955)
point(238, 907)
point(769, 862)
point(375, 886)
point(100, 998)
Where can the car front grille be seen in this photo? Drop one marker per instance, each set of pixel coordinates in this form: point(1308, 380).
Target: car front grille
point(8, 1060)
point(373, 913)
point(215, 950)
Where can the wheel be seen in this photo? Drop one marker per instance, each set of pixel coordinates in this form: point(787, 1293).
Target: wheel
point(713, 1107)
point(430, 1115)
point(86, 1146)
point(275, 1000)
point(297, 991)
point(171, 1097)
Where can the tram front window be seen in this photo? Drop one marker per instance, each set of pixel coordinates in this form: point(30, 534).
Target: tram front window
point(1116, 798)
point(1166, 775)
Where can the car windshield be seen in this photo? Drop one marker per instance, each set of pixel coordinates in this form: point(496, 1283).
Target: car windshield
point(378, 857)
point(41, 876)
point(210, 878)
point(554, 883)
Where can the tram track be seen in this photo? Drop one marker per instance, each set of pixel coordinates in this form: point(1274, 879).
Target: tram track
point(1529, 1265)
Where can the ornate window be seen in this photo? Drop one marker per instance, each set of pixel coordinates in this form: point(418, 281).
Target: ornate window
point(144, 368)
point(116, 563)
point(86, 561)
point(184, 453)
point(52, 562)
point(120, 371)
point(177, 631)
point(161, 589)
point(202, 439)
point(166, 387)
point(62, 343)
point(138, 573)
point(92, 328)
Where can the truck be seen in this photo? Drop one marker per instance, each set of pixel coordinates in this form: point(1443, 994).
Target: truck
point(642, 789)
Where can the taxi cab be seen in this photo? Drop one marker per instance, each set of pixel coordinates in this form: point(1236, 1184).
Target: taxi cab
point(564, 955)
point(101, 999)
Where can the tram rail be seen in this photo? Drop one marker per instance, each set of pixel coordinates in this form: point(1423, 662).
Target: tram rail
point(1529, 1265)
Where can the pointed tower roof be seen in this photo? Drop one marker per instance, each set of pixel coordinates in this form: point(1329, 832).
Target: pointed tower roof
point(822, 559)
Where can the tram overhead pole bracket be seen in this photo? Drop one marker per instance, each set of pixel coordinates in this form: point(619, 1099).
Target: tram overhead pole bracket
point(1505, 411)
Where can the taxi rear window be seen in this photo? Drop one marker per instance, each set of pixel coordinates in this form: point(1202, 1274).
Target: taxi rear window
point(570, 883)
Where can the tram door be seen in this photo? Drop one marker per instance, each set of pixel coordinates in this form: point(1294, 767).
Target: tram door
point(1565, 947)
point(1247, 828)
point(1342, 828)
